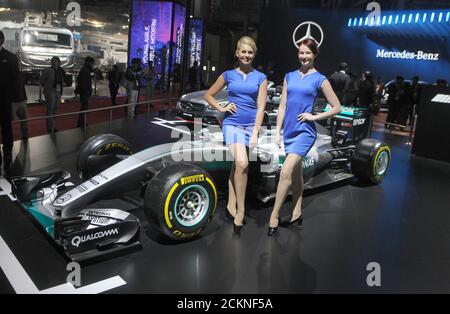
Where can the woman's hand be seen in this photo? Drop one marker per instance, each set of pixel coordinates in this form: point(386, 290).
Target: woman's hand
point(278, 139)
point(231, 108)
point(253, 141)
point(306, 116)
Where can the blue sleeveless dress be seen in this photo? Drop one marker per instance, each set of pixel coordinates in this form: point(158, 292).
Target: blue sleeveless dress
point(238, 127)
point(298, 136)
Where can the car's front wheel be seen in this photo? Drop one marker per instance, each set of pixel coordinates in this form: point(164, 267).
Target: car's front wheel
point(181, 199)
point(100, 152)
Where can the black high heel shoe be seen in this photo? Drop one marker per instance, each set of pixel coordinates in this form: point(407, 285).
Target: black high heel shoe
point(296, 222)
point(273, 231)
point(237, 229)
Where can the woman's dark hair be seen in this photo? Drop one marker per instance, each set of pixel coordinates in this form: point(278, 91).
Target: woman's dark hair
point(312, 45)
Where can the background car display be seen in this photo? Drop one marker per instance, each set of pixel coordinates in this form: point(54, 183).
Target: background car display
point(192, 105)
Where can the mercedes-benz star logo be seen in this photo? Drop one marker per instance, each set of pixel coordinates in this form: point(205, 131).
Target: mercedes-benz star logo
point(308, 34)
point(189, 106)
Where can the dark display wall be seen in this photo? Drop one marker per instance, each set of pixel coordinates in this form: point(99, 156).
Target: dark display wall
point(432, 138)
point(388, 49)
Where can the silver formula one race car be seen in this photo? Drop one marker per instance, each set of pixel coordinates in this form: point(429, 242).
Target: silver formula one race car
point(179, 183)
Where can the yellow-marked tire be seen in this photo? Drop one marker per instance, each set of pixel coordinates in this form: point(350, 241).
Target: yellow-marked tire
point(181, 199)
point(100, 152)
point(371, 160)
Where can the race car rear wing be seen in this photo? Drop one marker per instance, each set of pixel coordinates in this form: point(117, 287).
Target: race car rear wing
point(349, 127)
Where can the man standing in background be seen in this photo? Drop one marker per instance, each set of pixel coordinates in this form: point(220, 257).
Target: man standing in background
point(114, 81)
point(9, 77)
point(150, 78)
point(192, 77)
point(416, 89)
point(84, 87)
point(133, 77)
point(340, 81)
point(19, 106)
point(52, 81)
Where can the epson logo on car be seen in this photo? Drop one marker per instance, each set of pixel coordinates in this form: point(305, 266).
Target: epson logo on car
point(76, 241)
point(359, 121)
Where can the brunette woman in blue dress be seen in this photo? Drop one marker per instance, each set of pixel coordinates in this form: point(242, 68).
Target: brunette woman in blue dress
point(244, 114)
point(295, 114)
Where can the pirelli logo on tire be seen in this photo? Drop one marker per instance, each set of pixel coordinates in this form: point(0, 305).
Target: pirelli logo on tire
point(192, 179)
point(109, 146)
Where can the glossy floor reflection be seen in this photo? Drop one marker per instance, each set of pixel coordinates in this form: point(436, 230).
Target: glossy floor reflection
point(403, 224)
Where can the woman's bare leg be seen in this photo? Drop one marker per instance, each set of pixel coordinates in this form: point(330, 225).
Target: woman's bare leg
point(297, 191)
point(284, 185)
point(239, 153)
point(231, 205)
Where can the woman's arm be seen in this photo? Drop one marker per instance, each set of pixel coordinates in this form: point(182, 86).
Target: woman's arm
point(261, 102)
point(212, 91)
point(280, 113)
point(331, 99)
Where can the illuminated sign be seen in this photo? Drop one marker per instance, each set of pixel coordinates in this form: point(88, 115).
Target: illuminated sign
point(156, 36)
point(419, 55)
point(195, 41)
point(442, 98)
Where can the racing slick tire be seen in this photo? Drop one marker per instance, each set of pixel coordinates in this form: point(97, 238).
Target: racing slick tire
point(100, 152)
point(371, 160)
point(181, 199)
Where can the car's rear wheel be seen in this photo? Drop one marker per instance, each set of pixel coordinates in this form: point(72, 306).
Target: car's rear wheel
point(371, 160)
point(101, 152)
point(181, 199)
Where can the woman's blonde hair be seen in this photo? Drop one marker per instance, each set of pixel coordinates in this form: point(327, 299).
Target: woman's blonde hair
point(246, 40)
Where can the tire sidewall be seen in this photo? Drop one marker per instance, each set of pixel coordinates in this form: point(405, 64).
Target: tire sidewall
point(160, 203)
point(102, 144)
point(364, 160)
point(375, 177)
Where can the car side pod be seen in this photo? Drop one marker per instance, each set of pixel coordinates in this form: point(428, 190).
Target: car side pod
point(371, 160)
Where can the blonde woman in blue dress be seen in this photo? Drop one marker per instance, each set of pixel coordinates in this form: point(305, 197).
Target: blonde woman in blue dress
point(244, 114)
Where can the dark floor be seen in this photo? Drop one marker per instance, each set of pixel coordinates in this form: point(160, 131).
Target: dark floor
point(402, 224)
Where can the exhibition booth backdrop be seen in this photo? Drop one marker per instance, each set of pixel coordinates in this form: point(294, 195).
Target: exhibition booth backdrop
point(150, 30)
point(403, 43)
